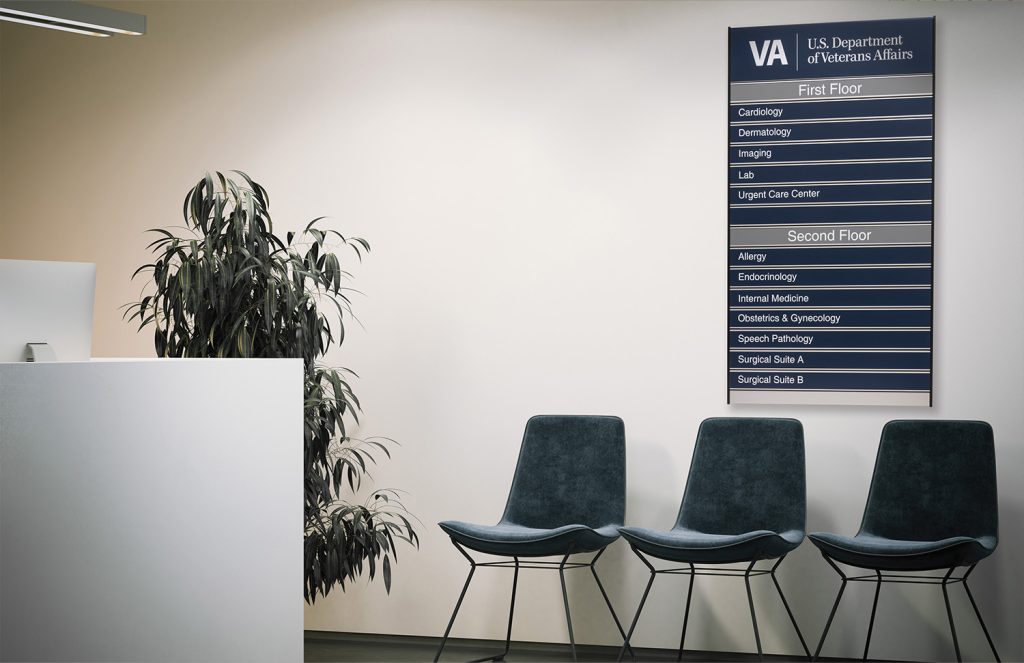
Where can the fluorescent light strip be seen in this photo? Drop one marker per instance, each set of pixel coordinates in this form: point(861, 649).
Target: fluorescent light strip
point(65, 15)
point(51, 24)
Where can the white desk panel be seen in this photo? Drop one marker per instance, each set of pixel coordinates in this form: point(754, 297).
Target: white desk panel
point(151, 510)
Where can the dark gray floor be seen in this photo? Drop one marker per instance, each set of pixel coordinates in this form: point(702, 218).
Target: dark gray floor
point(350, 647)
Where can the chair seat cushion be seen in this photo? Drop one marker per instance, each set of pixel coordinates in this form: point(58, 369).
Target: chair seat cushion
point(685, 545)
point(518, 541)
point(868, 551)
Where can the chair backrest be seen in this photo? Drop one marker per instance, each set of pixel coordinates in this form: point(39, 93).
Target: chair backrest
point(571, 469)
point(933, 480)
point(746, 474)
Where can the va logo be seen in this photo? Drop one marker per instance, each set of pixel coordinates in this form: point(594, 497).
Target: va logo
point(769, 52)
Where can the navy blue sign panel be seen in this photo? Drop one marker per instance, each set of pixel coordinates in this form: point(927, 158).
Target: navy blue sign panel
point(831, 165)
point(832, 50)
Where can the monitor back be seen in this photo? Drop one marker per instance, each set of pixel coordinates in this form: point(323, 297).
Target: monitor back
point(46, 302)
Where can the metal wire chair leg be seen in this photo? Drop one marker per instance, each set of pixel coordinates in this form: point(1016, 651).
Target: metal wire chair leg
point(949, 613)
point(835, 605)
point(686, 612)
point(458, 604)
point(874, 608)
point(639, 608)
point(511, 613)
point(753, 615)
point(977, 613)
point(565, 600)
point(607, 601)
point(789, 612)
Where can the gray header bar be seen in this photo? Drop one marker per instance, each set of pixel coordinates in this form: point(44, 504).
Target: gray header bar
point(831, 88)
point(800, 397)
point(831, 235)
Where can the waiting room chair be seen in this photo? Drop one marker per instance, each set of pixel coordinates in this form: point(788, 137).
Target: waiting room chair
point(932, 505)
point(745, 501)
point(568, 496)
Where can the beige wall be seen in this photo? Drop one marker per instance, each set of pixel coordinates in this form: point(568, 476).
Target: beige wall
point(3, 226)
point(543, 184)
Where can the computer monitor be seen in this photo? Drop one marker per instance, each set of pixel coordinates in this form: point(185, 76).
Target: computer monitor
point(46, 302)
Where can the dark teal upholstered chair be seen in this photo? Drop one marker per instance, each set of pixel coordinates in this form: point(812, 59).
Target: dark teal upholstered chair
point(568, 496)
point(931, 506)
point(745, 501)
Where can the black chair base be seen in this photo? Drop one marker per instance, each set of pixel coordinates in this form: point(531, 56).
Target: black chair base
point(879, 577)
point(516, 564)
point(693, 571)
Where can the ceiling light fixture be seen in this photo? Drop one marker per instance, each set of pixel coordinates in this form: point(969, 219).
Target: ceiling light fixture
point(56, 26)
point(72, 17)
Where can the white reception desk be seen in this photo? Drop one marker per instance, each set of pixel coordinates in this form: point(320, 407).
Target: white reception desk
point(151, 510)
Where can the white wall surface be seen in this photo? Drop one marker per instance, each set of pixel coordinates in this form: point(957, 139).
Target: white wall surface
point(140, 499)
point(543, 184)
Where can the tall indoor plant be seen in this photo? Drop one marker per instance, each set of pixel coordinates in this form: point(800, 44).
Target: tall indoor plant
point(230, 287)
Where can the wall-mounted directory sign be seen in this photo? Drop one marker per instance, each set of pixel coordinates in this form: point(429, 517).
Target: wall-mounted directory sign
point(830, 213)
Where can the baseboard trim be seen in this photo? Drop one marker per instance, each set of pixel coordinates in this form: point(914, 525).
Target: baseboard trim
point(536, 650)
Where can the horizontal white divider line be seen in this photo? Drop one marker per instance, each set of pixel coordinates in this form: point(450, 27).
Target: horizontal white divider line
point(831, 78)
point(854, 371)
point(827, 246)
point(830, 120)
point(832, 141)
point(802, 349)
point(828, 162)
point(896, 265)
point(789, 100)
point(857, 203)
point(829, 224)
point(826, 100)
point(754, 330)
point(839, 391)
point(914, 286)
point(757, 307)
point(844, 350)
point(765, 185)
